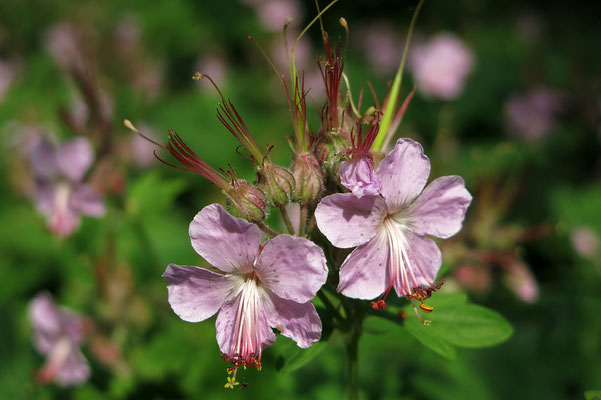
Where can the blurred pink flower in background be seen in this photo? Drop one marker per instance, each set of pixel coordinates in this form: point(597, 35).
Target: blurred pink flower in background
point(213, 66)
point(532, 115)
point(382, 46)
point(519, 278)
point(585, 242)
point(62, 45)
point(441, 65)
point(273, 13)
point(146, 74)
point(60, 194)
point(141, 149)
point(58, 333)
point(476, 278)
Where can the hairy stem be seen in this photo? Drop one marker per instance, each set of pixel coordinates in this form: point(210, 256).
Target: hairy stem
point(267, 229)
point(287, 220)
point(303, 220)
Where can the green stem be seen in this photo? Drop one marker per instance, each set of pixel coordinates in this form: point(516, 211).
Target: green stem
point(267, 229)
point(324, 299)
point(303, 220)
point(352, 351)
point(389, 111)
point(287, 220)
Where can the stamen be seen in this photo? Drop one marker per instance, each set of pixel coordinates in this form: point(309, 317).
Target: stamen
point(405, 271)
point(246, 346)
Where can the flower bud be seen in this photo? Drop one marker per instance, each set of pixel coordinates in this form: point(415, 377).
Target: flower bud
point(277, 182)
point(329, 152)
point(308, 178)
point(247, 201)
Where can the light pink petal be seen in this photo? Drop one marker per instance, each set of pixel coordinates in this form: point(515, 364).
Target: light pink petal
point(196, 294)
point(43, 159)
point(74, 158)
point(363, 273)
point(293, 268)
point(298, 321)
point(359, 177)
point(86, 200)
point(348, 221)
point(403, 173)
point(425, 260)
point(439, 211)
point(228, 243)
point(45, 321)
point(225, 326)
point(63, 222)
point(522, 281)
point(74, 370)
point(71, 325)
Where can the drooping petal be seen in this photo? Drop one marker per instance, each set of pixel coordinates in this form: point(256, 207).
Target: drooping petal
point(74, 158)
point(43, 159)
point(227, 326)
point(363, 273)
point(425, 259)
point(298, 321)
point(359, 177)
point(403, 173)
point(293, 268)
point(45, 321)
point(439, 211)
point(228, 243)
point(74, 370)
point(196, 294)
point(86, 200)
point(348, 221)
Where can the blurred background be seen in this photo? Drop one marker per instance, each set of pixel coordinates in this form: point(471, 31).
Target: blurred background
point(508, 96)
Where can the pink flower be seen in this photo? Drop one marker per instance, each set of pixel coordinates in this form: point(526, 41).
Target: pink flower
point(531, 116)
point(253, 286)
point(58, 334)
point(59, 193)
point(358, 174)
point(273, 13)
point(441, 65)
point(520, 279)
point(390, 229)
point(382, 46)
point(585, 241)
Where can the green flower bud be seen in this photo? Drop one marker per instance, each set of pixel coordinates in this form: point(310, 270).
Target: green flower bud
point(247, 201)
point(308, 178)
point(277, 182)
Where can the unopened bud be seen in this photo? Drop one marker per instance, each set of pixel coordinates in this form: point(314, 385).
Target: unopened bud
point(308, 178)
point(369, 112)
point(247, 201)
point(330, 152)
point(278, 183)
point(343, 23)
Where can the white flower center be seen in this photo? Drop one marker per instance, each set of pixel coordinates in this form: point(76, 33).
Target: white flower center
point(246, 343)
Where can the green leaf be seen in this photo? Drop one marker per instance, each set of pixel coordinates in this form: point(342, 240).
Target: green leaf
point(457, 323)
point(293, 357)
point(592, 395)
point(151, 193)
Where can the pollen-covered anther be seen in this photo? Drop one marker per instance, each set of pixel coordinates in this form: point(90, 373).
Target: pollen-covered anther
point(426, 308)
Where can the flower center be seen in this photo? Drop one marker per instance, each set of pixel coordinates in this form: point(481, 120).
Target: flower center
point(404, 270)
point(246, 345)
